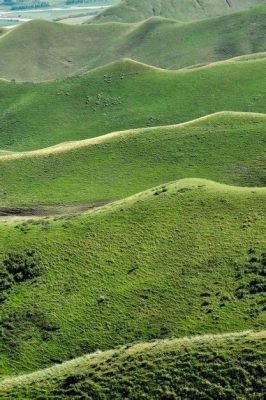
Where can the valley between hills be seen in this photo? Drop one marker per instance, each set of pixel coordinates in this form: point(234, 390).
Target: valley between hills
point(133, 204)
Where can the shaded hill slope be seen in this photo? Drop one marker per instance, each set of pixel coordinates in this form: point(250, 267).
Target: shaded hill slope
point(227, 147)
point(137, 10)
point(182, 259)
point(41, 50)
point(121, 96)
point(201, 367)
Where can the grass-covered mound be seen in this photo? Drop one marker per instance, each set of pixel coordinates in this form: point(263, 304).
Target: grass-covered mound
point(182, 259)
point(124, 95)
point(206, 367)
point(42, 50)
point(225, 147)
point(137, 10)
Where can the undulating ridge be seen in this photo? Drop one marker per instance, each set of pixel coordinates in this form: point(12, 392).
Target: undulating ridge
point(174, 367)
point(133, 204)
point(117, 165)
point(41, 50)
point(124, 95)
point(181, 259)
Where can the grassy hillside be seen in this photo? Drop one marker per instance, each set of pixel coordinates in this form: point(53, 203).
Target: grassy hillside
point(226, 147)
point(137, 10)
point(41, 50)
point(124, 95)
point(203, 367)
point(182, 259)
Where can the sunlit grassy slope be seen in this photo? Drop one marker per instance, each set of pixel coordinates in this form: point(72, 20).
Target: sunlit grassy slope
point(137, 10)
point(41, 50)
point(185, 258)
point(224, 367)
point(124, 95)
point(226, 147)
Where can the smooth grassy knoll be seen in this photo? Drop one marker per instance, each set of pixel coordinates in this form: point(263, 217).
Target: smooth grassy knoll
point(225, 147)
point(138, 10)
point(182, 259)
point(124, 95)
point(221, 366)
point(41, 50)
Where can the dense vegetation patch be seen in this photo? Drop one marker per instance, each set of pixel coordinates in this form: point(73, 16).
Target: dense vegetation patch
point(18, 268)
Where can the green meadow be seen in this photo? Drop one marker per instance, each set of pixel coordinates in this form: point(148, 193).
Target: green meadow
point(138, 10)
point(124, 95)
point(225, 147)
point(42, 50)
point(161, 369)
point(133, 204)
point(185, 258)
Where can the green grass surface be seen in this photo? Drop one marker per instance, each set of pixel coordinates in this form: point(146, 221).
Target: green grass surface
point(137, 10)
point(41, 50)
point(222, 367)
point(183, 259)
point(224, 147)
point(121, 96)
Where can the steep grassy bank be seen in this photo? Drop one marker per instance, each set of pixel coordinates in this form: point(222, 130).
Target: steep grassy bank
point(185, 258)
point(203, 367)
point(137, 10)
point(225, 147)
point(121, 96)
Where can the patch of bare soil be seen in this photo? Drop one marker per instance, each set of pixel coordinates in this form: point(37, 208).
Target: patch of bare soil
point(48, 210)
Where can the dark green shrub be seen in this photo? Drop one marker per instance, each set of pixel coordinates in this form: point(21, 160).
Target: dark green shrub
point(22, 266)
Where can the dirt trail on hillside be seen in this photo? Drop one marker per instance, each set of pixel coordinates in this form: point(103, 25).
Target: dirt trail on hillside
point(26, 212)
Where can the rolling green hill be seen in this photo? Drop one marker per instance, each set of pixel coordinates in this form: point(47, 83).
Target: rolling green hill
point(203, 367)
point(138, 10)
point(182, 259)
point(40, 50)
point(121, 96)
point(185, 258)
point(226, 147)
point(133, 203)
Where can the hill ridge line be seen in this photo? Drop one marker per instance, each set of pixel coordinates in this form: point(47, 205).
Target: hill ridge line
point(83, 72)
point(137, 348)
point(149, 67)
point(71, 145)
point(190, 68)
point(93, 21)
point(111, 206)
point(193, 183)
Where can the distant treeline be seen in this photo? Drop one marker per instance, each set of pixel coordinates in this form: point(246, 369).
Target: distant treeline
point(41, 4)
point(84, 1)
point(25, 4)
point(16, 4)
